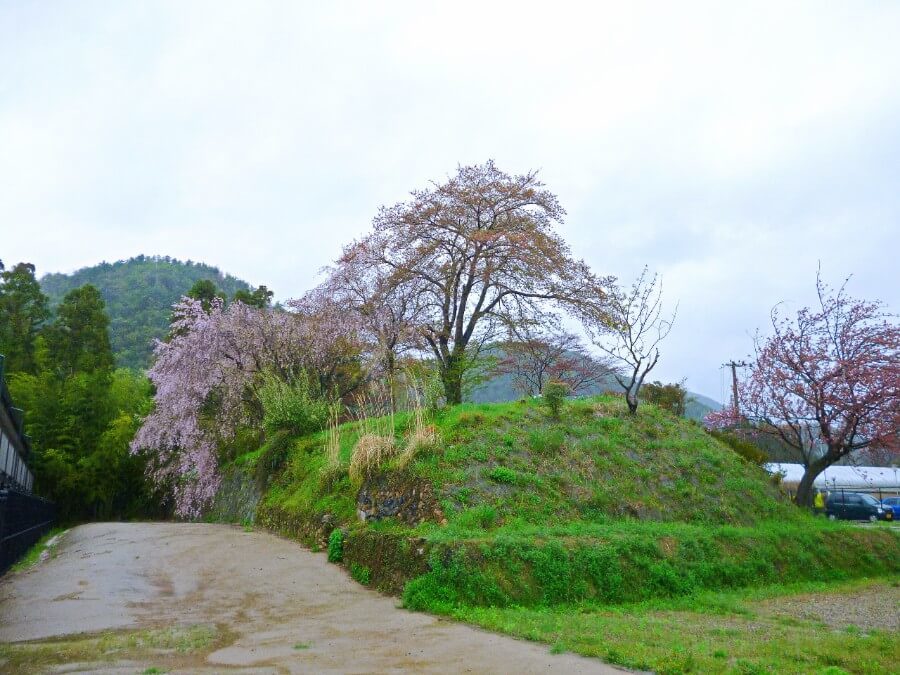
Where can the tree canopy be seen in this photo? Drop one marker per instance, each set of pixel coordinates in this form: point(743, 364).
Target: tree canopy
point(476, 254)
point(827, 382)
point(80, 413)
point(23, 311)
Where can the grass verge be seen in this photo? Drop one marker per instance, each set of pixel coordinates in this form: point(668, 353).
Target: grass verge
point(33, 555)
point(163, 647)
point(765, 630)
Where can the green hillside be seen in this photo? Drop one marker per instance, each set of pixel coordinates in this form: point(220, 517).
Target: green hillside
point(609, 534)
point(139, 293)
point(625, 507)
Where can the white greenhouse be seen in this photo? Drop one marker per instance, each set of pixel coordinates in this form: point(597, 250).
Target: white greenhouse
point(880, 480)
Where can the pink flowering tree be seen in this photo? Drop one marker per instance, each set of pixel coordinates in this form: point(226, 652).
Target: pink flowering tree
point(827, 382)
point(385, 313)
point(205, 379)
point(726, 418)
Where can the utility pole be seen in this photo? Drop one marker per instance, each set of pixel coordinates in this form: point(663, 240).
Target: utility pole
point(734, 365)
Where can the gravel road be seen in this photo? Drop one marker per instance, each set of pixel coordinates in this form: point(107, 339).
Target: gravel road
point(266, 594)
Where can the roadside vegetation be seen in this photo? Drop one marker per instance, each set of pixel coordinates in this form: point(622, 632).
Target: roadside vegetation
point(640, 539)
point(806, 628)
point(46, 543)
point(161, 649)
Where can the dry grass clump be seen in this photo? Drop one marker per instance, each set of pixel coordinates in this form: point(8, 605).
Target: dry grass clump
point(421, 437)
point(333, 437)
point(333, 467)
point(369, 453)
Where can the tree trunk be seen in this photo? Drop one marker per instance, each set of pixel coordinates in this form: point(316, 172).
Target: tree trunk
point(632, 401)
point(451, 375)
point(805, 486)
point(452, 387)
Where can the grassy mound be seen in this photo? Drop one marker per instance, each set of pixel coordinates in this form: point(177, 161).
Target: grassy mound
point(529, 510)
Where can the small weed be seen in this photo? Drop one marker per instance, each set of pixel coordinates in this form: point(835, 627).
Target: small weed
point(361, 573)
point(546, 441)
point(33, 555)
point(302, 645)
point(500, 474)
point(336, 545)
point(470, 420)
point(483, 516)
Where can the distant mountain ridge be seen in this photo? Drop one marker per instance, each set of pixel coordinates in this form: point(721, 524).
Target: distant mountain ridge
point(139, 293)
point(499, 389)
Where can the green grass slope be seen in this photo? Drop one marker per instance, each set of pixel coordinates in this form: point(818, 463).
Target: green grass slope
point(523, 510)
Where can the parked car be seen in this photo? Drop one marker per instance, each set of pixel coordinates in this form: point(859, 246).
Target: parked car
point(855, 506)
point(892, 503)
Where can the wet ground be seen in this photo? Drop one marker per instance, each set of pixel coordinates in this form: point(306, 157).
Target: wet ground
point(270, 606)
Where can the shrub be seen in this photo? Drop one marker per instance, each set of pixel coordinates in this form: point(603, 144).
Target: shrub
point(296, 406)
point(749, 451)
point(369, 453)
point(555, 393)
point(336, 545)
point(671, 397)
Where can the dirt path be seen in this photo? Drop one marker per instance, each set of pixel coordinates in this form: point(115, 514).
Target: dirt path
point(276, 607)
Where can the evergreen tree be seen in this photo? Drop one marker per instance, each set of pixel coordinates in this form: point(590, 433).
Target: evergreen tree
point(82, 415)
point(79, 338)
point(260, 297)
point(205, 291)
point(23, 310)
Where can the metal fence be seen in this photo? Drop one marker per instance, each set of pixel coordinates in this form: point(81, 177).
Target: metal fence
point(24, 518)
point(15, 446)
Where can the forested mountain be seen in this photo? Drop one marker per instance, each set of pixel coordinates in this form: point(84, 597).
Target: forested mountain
point(139, 293)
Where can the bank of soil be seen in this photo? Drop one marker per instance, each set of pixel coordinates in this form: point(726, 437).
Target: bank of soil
point(270, 606)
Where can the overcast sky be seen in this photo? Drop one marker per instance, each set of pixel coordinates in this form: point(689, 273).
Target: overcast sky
point(729, 149)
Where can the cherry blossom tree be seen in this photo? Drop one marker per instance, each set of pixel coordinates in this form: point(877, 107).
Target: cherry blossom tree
point(726, 418)
point(827, 382)
point(385, 312)
point(478, 253)
point(206, 377)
